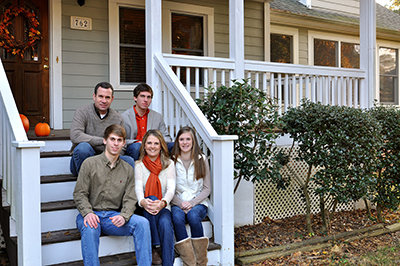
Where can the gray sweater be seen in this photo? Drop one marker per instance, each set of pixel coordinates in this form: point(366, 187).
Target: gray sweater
point(88, 127)
point(154, 121)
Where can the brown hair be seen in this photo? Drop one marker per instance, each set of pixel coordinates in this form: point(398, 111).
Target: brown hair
point(115, 129)
point(196, 154)
point(142, 87)
point(164, 154)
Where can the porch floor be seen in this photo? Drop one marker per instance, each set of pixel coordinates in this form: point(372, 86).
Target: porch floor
point(58, 134)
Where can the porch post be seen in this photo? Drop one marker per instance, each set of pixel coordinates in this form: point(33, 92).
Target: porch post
point(26, 190)
point(236, 36)
point(368, 51)
point(223, 197)
point(153, 46)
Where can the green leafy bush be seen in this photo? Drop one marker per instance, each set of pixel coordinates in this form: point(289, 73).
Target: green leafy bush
point(247, 112)
point(341, 144)
point(385, 188)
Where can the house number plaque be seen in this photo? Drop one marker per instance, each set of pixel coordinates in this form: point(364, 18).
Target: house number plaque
point(81, 23)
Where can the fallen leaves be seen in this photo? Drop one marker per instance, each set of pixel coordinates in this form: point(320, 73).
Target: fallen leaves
point(275, 233)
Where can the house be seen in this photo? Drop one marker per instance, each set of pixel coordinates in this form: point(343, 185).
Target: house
point(177, 47)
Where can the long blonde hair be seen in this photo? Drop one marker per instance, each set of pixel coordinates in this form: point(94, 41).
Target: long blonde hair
point(164, 154)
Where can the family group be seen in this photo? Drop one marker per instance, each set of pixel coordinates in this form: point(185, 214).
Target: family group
point(133, 180)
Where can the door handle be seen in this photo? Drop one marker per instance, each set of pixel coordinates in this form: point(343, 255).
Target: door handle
point(46, 66)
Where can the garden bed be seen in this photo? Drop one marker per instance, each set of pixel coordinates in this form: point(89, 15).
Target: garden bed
point(292, 245)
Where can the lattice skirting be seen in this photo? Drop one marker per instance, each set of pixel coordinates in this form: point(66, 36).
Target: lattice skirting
point(277, 204)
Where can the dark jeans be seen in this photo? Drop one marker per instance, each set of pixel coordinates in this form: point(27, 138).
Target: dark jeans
point(84, 150)
point(162, 233)
point(193, 217)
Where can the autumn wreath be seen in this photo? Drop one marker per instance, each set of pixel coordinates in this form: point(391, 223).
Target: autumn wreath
point(8, 41)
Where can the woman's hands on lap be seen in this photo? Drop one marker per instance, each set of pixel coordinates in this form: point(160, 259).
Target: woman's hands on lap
point(152, 206)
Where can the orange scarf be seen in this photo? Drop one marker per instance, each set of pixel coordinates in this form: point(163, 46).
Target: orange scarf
point(153, 184)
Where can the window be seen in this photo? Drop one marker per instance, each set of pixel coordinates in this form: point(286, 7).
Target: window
point(186, 29)
point(187, 34)
point(350, 55)
point(388, 75)
point(284, 45)
point(333, 50)
point(325, 53)
point(281, 48)
point(132, 49)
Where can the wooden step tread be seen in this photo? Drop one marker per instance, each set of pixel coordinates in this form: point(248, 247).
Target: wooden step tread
point(125, 259)
point(57, 205)
point(58, 134)
point(57, 179)
point(50, 154)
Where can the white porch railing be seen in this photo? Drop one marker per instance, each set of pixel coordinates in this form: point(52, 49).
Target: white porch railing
point(20, 173)
point(287, 83)
point(179, 109)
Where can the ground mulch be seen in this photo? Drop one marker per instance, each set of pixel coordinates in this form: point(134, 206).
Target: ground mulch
point(271, 233)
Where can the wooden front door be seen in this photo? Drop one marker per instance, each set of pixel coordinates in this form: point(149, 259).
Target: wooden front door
point(28, 71)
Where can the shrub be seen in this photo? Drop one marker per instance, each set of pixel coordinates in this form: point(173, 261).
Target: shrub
point(247, 112)
point(385, 188)
point(341, 144)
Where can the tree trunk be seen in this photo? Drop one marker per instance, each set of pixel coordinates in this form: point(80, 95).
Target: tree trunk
point(323, 213)
point(308, 202)
point(379, 209)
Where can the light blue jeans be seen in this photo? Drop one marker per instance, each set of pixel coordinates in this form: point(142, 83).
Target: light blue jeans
point(137, 226)
point(84, 150)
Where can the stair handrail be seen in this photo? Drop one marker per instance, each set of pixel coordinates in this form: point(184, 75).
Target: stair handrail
point(221, 213)
point(20, 174)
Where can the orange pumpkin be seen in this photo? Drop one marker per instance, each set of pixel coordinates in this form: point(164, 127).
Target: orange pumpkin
point(42, 129)
point(25, 122)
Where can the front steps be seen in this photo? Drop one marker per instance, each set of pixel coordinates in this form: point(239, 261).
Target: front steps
point(60, 238)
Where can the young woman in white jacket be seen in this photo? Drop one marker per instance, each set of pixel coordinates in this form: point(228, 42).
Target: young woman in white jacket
point(190, 203)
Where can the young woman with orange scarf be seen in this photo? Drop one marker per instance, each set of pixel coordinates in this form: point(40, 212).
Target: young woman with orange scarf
point(155, 188)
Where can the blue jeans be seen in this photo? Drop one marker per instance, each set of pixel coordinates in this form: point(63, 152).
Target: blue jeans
point(162, 233)
point(193, 217)
point(84, 150)
point(137, 226)
point(133, 150)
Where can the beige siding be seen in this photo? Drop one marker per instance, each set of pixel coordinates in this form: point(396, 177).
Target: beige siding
point(303, 46)
point(254, 30)
point(85, 53)
point(85, 57)
point(344, 6)
point(253, 22)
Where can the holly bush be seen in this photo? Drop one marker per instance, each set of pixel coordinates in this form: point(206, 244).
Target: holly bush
point(341, 144)
point(385, 188)
point(247, 112)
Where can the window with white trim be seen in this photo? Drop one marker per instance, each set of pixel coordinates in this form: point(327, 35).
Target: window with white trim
point(284, 45)
point(388, 75)
point(333, 50)
point(187, 29)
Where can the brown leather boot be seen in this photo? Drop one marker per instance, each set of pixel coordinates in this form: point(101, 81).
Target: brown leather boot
point(200, 246)
point(155, 256)
point(186, 252)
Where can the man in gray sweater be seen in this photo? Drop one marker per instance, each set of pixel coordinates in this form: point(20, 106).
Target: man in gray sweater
point(88, 126)
point(140, 118)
